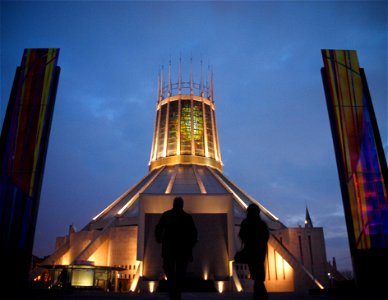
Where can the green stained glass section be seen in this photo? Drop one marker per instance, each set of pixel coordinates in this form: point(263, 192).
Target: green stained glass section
point(162, 128)
point(209, 131)
point(185, 127)
point(198, 129)
point(172, 128)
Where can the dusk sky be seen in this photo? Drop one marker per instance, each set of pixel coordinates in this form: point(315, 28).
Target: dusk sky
point(273, 125)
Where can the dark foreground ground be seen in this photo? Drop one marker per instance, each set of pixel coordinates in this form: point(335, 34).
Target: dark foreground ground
point(351, 294)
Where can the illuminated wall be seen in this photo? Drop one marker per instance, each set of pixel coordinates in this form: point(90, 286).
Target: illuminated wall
point(280, 276)
point(360, 158)
point(24, 140)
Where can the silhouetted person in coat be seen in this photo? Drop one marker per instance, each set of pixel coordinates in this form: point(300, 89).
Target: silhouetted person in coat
point(63, 278)
point(254, 235)
point(178, 234)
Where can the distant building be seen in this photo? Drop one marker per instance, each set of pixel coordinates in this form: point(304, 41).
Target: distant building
point(186, 161)
point(362, 166)
point(23, 147)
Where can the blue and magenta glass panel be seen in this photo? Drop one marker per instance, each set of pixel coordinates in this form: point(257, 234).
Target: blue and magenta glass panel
point(360, 163)
point(24, 140)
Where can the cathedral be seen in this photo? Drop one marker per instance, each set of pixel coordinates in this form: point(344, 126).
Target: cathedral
point(117, 249)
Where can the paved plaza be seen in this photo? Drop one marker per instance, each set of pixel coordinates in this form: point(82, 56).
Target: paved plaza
point(98, 295)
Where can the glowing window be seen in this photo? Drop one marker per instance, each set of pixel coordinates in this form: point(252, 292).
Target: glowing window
point(185, 127)
point(198, 128)
point(209, 131)
point(172, 128)
point(162, 127)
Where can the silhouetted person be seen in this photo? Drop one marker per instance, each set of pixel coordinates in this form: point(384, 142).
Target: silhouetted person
point(254, 235)
point(64, 278)
point(178, 234)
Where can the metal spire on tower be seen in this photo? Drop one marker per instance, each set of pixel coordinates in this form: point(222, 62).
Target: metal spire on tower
point(208, 93)
point(159, 97)
point(169, 79)
point(180, 76)
point(191, 76)
point(162, 81)
point(201, 81)
point(212, 86)
point(160, 85)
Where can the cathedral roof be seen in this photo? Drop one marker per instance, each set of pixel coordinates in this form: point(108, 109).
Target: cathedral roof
point(180, 180)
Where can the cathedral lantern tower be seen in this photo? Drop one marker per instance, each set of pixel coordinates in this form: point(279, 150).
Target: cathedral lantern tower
point(185, 127)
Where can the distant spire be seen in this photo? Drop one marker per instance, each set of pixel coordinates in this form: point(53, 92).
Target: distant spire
point(72, 228)
point(307, 222)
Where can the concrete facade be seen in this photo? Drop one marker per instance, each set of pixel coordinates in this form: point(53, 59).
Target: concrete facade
point(130, 244)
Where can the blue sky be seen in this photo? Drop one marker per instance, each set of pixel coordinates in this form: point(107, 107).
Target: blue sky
point(272, 119)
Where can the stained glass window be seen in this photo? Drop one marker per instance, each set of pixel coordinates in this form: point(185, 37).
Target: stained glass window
point(185, 127)
point(198, 128)
point(209, 131)
point(162, 127)
point(357, 144)
point(172, 128)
